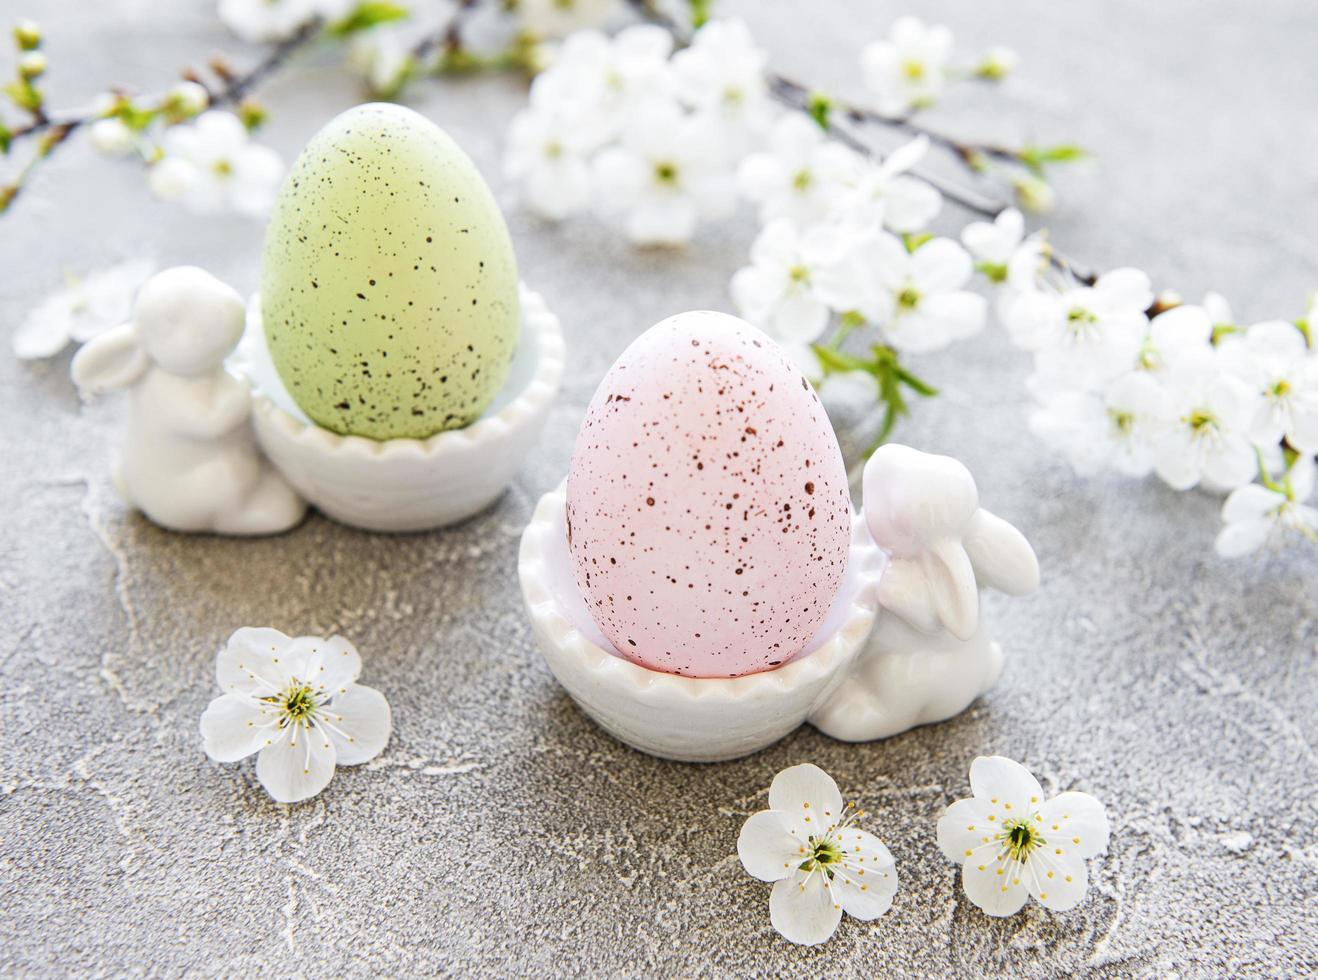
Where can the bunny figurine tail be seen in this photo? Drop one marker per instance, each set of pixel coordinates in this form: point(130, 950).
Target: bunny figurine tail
point(189, 460)
point(930, 654)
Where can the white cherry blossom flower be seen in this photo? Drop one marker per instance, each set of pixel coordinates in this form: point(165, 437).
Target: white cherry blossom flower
point(296, 703)
point(820, 863)
point(1173, 335)
point(1206, 438)
point(1114, 429)
point(607, 79)
point(801, 176)
point(81, 310)
point(1013, 845)
point(262, 21)
point(547, 156)
point(1089, 334)
point(797, 278)
point(559, 18)
point(1253, 514)
point(907, 70)
point(665, 175)
point(929, 308)
point(1273, 358)
point(722, 73)
point(211, 163)
point(382, 56)
point(992, 244)
point(882, 194)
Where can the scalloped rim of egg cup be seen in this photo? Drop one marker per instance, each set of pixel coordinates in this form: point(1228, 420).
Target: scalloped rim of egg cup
point(411, 484)
point(688, 719)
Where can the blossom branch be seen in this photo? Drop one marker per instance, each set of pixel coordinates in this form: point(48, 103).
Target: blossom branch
point(52, 128)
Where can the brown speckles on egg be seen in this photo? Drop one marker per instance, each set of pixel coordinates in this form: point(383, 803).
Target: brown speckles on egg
point(695, 541)
point(389, 285)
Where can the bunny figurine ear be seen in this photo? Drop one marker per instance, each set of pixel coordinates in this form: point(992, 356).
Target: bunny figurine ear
point(951, 581)
point(1002, 558)
point(112, 360)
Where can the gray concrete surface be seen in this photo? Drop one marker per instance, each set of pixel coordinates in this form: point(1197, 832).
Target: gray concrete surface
point(501, 832)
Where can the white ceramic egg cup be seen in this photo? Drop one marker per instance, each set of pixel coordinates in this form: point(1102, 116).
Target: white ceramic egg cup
point(920, 551)
point(410, 484)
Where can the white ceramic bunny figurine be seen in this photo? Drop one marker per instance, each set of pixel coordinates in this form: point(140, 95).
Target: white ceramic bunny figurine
point(930, 654)
point(190, 461)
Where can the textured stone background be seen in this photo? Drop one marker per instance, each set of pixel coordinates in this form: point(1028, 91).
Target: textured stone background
point(501, 832)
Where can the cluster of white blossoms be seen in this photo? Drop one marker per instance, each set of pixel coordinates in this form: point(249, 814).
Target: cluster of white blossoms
point(661, 140)
point(644, 136)
point(1128, 382)
point(201, 157)
point(1010, 842)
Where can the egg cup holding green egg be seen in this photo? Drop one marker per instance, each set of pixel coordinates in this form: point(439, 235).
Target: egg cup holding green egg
point(701, 586)
point(401, 371)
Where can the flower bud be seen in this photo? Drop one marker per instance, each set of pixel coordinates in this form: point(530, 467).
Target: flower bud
point(998, 63)
point(189, 97)
point(27, 35)
point(1035, 195)
point(32, 65)
point(252, 114)
point(112, 137)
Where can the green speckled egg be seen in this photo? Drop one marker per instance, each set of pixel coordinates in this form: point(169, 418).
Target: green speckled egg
point(388, 282)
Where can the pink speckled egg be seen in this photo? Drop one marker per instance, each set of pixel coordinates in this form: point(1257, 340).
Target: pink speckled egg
point(708, 515)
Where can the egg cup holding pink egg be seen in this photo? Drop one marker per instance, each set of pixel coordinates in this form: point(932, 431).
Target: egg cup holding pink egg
point(401, 371)
point(701, 587)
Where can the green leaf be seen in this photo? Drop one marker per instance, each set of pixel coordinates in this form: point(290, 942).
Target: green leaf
point(699, 12)
point(818, 106)
point(368, 14)
point(834, 360)
point(6, 138)
point(1035, 157)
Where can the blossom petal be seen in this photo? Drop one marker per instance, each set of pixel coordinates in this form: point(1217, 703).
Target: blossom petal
point(1232, 465)
point(662, 222)
point(297, 766)
point(359, 724)
point(800, 319)
point(941, 265)
point(910, 204)
point(1058, 882)
point(995, 886)
point(1242, 537)
point(867, 883)
point(232, 728)
point(767, 847)
point(1079, 820)
point(333, 664)
point(804, 912)
point(963, 827)
point(45, 331)
point(1004, 783)
point(1251, 502)
point(807, 793)
point(253, 662)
